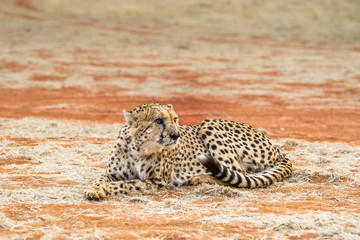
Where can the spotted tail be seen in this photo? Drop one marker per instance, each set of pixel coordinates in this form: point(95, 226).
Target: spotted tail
point(281, 170)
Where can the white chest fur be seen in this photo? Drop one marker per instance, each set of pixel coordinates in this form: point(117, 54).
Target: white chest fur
point(140, 170)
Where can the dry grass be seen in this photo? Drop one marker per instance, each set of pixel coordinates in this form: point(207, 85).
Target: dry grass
point(63, 153)
point(328, 225)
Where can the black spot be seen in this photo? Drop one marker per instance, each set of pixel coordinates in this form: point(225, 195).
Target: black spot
point(203, 136)
point(148, 170)
point(114, 177)
point(213, 147)
point(210, 128)
point(208, 133)
point(219, 142)
point(245, 152)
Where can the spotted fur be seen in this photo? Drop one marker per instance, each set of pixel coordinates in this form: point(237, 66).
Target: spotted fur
point(153, 151)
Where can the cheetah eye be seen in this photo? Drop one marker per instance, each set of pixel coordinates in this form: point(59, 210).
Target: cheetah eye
point(159, 121)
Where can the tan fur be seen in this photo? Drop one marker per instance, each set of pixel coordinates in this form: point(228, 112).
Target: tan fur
point(153, 150)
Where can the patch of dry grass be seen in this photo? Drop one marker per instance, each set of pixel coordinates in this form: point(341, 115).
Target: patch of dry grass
point(335, 161)
point(63, 152)
point(325, 224)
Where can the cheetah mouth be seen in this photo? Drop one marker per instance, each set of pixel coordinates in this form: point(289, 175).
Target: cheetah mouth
point(169, 144)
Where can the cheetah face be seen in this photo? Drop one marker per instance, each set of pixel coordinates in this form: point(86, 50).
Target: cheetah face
point(154, 127)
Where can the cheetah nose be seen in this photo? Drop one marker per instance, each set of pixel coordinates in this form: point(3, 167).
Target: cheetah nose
point(174, 136)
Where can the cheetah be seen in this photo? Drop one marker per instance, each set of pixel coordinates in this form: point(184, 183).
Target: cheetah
point(153, 151)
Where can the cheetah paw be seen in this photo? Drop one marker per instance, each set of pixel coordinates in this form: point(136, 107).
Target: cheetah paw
point(194, 180)
point(96, 193)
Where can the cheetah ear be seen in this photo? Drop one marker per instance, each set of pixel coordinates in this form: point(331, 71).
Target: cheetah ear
point(170, 106)
point(128, 117)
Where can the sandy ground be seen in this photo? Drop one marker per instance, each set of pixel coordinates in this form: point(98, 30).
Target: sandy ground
point(68, 68)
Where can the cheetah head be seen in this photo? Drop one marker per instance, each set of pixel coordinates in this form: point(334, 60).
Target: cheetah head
point(154, 127)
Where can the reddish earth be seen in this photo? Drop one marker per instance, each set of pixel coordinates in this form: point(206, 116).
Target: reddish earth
point(58, 63)
point(283, 119)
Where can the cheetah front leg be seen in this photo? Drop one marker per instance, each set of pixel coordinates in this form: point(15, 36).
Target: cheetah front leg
point(103, 188)
point(134, 186)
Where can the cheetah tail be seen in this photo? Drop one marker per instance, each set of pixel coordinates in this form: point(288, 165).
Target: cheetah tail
point(281, 170)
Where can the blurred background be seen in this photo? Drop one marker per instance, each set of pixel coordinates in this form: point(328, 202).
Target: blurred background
point(295, 19)
point(284, 65)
